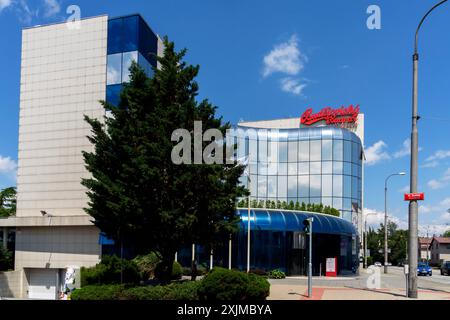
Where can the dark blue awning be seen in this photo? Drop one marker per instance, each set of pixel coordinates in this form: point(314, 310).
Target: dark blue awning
point(285, 220)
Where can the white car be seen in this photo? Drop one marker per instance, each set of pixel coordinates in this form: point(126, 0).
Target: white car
point(377, 264)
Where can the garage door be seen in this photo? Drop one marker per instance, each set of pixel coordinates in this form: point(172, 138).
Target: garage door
point(42, 284)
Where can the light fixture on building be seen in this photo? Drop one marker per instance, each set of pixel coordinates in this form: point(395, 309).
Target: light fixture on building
point(44, 213)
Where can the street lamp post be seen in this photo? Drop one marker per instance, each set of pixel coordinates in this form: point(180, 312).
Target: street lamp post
point(385, 220)
point(413, 205)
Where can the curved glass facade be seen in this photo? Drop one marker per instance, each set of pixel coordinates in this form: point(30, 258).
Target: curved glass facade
point(310, 165)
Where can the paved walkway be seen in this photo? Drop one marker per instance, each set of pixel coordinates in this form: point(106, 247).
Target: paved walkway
point(300, 292)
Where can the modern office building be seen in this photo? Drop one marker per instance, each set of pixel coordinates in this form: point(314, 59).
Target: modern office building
point(66, 70)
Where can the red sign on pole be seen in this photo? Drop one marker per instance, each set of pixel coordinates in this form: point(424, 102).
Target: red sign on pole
point(331, 267)
point(414, 196)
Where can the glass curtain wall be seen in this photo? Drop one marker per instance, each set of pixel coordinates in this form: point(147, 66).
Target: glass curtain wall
point(310, 165)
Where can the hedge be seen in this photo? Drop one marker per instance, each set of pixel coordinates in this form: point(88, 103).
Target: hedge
point(175, 291)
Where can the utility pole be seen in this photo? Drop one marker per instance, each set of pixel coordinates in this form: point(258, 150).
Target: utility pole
point(413, 205)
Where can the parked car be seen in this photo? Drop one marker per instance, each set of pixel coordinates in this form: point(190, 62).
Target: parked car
point(424, 268)
point(377, 264)
point(445, 268)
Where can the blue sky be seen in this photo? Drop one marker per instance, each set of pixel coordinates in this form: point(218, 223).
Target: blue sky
point(273, 59)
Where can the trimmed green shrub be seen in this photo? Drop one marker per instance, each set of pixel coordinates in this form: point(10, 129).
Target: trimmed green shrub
point(108, 272)
point(175, 291)
point(276, 274)
point(177, 271)
point(147, 265)
point(224, 284)
point(258, 288)
point(96, 292)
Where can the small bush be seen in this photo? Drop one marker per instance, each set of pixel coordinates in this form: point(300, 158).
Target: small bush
point(147, 265)
point(276, 274)
point(258, 288)
point(224, 284)
point(96, 292)
point(108, 272)
point(177, 271)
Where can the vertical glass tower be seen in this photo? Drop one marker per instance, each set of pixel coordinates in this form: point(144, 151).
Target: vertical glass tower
point(129, 39)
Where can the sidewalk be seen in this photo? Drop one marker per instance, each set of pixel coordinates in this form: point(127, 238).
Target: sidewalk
point(300, 292)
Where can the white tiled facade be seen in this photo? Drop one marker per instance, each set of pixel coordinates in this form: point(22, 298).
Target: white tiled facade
point(63, 78)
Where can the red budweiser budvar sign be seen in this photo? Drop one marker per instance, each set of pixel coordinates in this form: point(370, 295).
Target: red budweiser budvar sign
point(331, 116)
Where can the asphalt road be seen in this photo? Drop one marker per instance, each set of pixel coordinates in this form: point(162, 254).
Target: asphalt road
point(395, 279)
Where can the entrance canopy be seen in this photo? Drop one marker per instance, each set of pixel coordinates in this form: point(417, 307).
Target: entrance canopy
point(287, 220)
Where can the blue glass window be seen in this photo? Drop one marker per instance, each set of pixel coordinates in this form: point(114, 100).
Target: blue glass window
point(327, 185)
point(130, 33)
point(114, 69)
point(316, 150)
point(337, 150)
point(272, 186)
point(337, 186)
point(347, 151)
point(282, 151)
point(127, 59)
point(303, 150)
point(327, 149)
point(113, 94)
point(115, 36)
point(315, 185)
point(292, 186)
point(282, 187)
point(303, 186)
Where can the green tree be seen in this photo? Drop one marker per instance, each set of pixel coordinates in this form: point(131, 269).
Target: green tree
point(137, 195)
point(8, 202)
point(446, 233)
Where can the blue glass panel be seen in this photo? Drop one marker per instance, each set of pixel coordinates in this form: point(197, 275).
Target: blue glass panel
point(337, 150)
point(148, 42)
point(115, 36)
point(113, 94)
point(114, 69)
point(128, 58)
point(277, 220)
point(130, 33)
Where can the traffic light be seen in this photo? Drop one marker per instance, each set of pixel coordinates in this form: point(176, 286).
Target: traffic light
point(306, 226)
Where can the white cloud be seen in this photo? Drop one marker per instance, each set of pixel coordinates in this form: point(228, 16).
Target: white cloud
point(285, 58)
point(7, 165)
point(376, 153)
point(52, 7)
point(435, 184)
point(431, 164)
point(405, 189)
point(375, 218)
point(439, 155)
point(434, 229)
point(441, 182)
point(405, 150)
point(4, 4)
point(292, 85)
